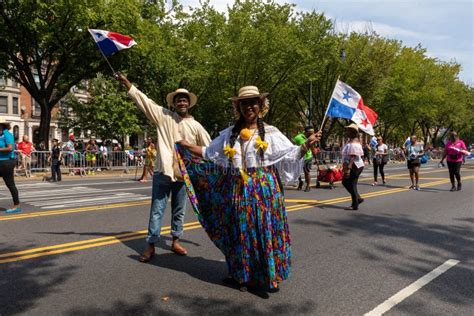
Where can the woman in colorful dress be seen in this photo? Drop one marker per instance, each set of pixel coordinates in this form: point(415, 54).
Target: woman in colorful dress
point(238, 193)
point(454, 151)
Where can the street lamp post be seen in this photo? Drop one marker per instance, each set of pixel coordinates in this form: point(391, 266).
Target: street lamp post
point(310, 116)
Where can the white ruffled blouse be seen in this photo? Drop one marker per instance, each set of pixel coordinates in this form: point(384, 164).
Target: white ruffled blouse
point(280, 152)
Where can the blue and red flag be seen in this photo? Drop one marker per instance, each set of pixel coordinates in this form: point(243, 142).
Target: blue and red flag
point(348, 103)
point(111, 42)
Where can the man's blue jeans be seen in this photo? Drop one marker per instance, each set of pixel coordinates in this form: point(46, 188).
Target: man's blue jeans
point(162, 188)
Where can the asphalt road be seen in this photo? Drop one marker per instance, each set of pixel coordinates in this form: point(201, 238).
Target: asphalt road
point(74, 250)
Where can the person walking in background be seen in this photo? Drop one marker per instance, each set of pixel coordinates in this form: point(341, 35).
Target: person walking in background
point(171, 127)
point(55, 159)
point(7, 163)
point(380, 159)
point(454, 152)
point(413, 154)
point(300, 139)
point(352, 165)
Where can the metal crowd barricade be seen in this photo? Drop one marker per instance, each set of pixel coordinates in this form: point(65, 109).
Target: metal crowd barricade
point(82, 163)
point(326, 157)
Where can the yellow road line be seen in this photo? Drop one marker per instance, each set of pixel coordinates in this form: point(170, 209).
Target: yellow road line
point(74, 210)
point(83, 244)
point(139, 203)
point(109, 240)
point(366, 195)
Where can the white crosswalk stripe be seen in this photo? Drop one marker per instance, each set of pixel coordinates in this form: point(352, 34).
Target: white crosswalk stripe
point(53, 196)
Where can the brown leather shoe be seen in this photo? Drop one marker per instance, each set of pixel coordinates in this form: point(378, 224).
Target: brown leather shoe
point(147, 254)
point(178, 249)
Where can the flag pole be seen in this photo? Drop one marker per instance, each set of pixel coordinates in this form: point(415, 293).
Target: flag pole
point(327, 108)
point(108, 63)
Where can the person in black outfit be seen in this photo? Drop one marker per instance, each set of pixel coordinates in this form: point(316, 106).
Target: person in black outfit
point(353, 165)
point(56, 156)
point(380, 159)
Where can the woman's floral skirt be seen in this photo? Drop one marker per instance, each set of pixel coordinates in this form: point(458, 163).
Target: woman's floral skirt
point(246, 220)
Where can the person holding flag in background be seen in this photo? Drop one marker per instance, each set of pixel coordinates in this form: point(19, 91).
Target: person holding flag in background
point(347, 103)
point(352, 165)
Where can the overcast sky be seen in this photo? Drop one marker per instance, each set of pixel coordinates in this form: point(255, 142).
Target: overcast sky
point(444, 27)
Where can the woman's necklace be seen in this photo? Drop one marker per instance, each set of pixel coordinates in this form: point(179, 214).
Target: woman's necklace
point(243, 170)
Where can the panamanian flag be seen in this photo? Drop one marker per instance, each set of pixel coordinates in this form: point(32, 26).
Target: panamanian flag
point(111, 42)
point(347, 103)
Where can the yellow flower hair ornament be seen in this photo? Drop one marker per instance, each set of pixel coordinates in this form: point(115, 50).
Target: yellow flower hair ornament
point(229, 151)
point(261, 145)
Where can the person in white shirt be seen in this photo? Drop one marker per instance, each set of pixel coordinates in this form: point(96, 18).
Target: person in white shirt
point(352, 165)
point(380, 159)
point(171, 127)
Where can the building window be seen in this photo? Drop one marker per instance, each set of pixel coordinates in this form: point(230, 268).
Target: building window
point(15, 106)
point(3, 104)
point(36, 107)
point(16, 132)
point(2, 81)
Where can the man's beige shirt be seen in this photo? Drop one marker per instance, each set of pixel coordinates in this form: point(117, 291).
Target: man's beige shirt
point(170, 128)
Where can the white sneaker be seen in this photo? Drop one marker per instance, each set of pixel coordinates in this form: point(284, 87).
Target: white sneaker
point(374, 184)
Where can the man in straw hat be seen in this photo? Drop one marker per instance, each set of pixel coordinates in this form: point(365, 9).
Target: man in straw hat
point(171, 127)
point(7, 163)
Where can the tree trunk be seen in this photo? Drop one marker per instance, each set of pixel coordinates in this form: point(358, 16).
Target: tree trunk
point(45, 123)
point(435, 137)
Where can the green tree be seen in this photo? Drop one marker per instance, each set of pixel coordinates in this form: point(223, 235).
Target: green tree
point(108, 114)
point(46, 47)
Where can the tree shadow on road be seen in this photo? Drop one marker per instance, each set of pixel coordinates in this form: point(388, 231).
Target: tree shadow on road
point(441, 242)
point(23, 283)
point(181, 304)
